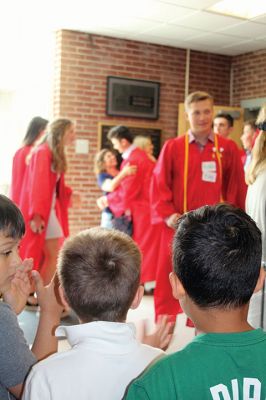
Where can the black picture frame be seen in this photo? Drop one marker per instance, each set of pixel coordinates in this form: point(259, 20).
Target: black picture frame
point(153, 132)
point(132, 98)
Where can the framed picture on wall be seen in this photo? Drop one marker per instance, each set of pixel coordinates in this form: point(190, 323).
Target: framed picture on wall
point(132, 98)
point(143, 130)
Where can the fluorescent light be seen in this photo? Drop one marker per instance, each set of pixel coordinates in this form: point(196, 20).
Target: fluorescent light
point(240, 8)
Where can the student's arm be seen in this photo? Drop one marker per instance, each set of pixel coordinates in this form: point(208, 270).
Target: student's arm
point(161, 189)
point(109, 185)
point(16, 359)
point(45, 342)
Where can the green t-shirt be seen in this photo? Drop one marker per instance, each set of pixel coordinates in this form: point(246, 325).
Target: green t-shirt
point(215, 366)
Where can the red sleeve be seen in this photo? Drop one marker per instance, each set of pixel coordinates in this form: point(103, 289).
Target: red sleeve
point(42, 183)
point(162, 185)
point(234, 186)
point(18, 172)
point(133, 187)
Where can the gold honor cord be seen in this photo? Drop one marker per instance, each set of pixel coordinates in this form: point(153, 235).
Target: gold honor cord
point(218, 155)
point(185, 173)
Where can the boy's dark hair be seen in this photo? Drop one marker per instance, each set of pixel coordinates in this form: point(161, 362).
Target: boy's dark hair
point(226, 116)
point(99, 270)
point(36, 126)
point(217, 255)
point(120, 132)
point(11, 220)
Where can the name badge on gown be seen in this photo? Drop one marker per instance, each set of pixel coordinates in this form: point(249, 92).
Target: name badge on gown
point(208, 171)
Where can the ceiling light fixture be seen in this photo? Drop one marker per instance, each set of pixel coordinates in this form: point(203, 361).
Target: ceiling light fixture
point(240, 8)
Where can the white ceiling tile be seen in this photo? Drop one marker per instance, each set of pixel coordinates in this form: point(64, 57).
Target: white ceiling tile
point(247, 46)
point(172, 31)
point(261, 19)
point(162, 12)
point(178, 23)
point(213, 39)
point(246, 29)
point(197, 4)
point(208, 21)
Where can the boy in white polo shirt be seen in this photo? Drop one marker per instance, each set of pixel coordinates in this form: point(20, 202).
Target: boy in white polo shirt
point(99, 271)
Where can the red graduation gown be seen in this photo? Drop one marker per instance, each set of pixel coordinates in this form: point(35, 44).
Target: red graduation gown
point(18, 173)
point(167, 194)
point(39, 185)
point(133, 194)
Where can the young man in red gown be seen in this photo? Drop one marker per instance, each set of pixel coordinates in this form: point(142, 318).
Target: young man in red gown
point(195, 169)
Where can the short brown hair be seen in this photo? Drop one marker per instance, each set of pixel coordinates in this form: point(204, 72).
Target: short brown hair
point(194, 97)
point(99, 270)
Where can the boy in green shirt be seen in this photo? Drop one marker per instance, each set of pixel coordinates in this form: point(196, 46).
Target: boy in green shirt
point(217, 267)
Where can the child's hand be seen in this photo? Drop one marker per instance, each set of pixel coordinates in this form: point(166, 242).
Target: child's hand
point(128, 170)
point(37, 224)
point(102, 202)
point(48, 296)
point(20, 287)
point(162, 335)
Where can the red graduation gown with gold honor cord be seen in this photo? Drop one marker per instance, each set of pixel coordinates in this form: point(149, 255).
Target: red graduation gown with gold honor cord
point(39, 186)
point(18, 173)
point(214, 174)
point(133, 194)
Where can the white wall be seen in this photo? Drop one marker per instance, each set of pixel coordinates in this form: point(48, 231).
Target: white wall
point(26, 78)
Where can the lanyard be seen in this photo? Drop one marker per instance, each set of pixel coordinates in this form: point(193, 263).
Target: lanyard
point(218, 156)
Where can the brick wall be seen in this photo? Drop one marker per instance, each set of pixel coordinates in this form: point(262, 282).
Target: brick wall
point(210, 72)
point(84, 61)
point(249, 71)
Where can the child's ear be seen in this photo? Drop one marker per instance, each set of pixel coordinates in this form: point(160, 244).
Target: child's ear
point(177, 287)
point(137, 298)
point(63, 298)
point(260, 281)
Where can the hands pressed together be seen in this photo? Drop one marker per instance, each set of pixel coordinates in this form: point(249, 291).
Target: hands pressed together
point(27, 280)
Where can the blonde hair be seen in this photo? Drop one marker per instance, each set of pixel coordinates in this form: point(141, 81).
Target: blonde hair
point(99, 163)
point(142, 141)
point(258, 162)
point(194, 97)
point(55, 140)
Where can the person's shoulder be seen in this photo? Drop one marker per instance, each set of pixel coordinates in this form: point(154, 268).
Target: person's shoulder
point(172, 145)
point(137, 153)
point(162, 365)
point(24, 150)
point(53, 363)
point(42, 152)
point(228, 143)
point(104, 175)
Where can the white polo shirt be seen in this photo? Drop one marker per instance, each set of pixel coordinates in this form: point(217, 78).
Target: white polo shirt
point(103, 359)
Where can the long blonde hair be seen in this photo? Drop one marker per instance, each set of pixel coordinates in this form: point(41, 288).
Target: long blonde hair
point(55, 140)
point(258, 162)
